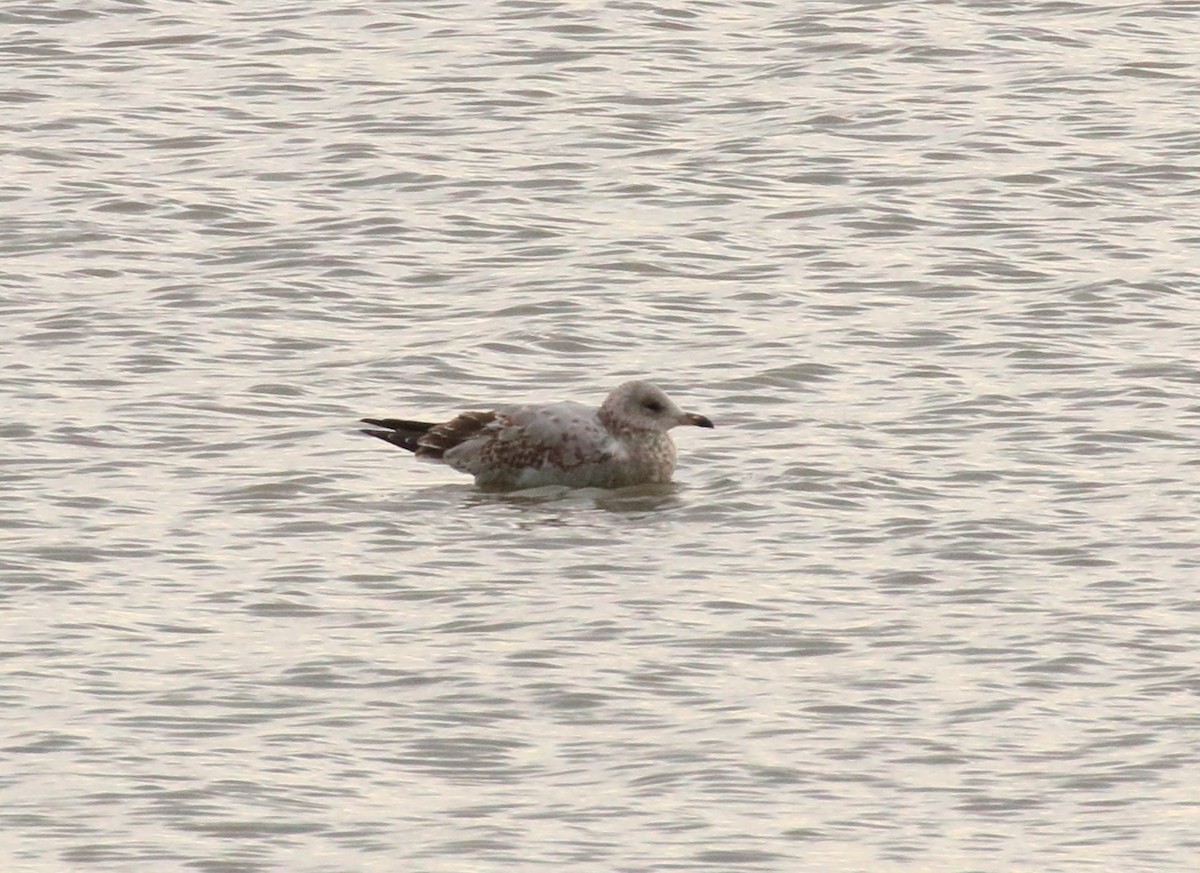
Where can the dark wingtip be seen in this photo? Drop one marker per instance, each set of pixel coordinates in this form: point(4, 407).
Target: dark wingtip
point(382, 434)
point(407, 442)
point(399, 431)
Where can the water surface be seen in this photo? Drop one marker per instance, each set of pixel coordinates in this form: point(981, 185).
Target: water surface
point(924, 600)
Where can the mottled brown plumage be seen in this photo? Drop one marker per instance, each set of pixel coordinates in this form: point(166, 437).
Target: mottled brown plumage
point(624, 442)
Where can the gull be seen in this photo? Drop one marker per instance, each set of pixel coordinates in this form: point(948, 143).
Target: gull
point(623, 442)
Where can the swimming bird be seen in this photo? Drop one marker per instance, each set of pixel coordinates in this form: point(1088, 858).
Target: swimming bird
point(623, 442)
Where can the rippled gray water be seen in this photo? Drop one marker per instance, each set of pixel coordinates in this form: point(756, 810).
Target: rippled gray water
point(924, 601)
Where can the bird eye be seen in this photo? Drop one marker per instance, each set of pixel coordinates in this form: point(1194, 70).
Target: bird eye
point(653, 405)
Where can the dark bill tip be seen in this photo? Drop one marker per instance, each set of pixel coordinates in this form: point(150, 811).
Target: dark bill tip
point(699, 420)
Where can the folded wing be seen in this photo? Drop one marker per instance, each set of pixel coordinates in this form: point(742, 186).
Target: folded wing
point(428, 440)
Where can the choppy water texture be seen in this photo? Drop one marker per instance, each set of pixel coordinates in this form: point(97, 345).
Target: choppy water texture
point(924, 601)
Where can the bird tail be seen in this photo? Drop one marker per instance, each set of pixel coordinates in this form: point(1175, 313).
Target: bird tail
point(399, 432)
